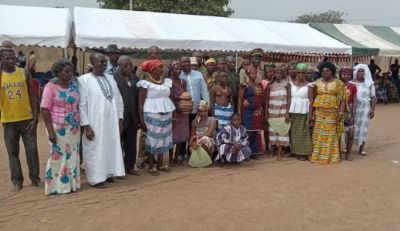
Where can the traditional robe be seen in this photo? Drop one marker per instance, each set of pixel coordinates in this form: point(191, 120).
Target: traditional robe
point(227, 137)
point(102, 157)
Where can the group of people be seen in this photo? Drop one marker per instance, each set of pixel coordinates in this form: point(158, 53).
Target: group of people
point(387, 84)
point(193, 103)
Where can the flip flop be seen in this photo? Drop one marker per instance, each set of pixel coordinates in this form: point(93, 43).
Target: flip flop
point(154, 171)
point(363, 153)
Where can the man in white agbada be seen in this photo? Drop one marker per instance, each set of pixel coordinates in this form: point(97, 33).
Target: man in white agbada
point(101, 109)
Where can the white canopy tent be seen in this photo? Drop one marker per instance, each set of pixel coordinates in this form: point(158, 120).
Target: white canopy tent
point(96, 28)
point(35, 26)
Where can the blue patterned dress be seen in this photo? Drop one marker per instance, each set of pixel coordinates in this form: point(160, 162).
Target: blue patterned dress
point(62, 169)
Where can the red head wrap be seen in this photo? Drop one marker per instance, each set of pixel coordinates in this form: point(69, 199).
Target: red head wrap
point(347, 70)
point(149, 65)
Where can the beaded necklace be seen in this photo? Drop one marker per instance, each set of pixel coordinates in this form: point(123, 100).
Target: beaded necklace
point(105, 86)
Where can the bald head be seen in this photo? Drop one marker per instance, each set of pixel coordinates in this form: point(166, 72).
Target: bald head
point(125, 65)
point(154, 52)
point(99, 63)
point(185, 63)
point(124, 59)
point(95, 57)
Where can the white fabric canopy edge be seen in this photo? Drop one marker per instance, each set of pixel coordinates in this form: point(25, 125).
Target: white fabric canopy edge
point(36, 26)
point(91, 31)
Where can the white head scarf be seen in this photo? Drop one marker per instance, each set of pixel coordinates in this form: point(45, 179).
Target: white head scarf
point(367, 76)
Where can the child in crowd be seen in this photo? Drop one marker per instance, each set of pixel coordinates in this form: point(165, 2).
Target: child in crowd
point(232, 142)
point(221, 101)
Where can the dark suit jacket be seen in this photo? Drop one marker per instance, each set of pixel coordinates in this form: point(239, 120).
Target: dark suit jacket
point(130, 98)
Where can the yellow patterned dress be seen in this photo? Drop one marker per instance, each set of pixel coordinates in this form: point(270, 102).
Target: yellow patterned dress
point(325, 134)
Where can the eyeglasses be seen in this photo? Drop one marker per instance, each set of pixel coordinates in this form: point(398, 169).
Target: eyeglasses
point(127, 65)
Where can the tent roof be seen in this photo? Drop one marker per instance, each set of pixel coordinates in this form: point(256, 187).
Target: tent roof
point(35, 26)
point(369, 40)
point(140, 29)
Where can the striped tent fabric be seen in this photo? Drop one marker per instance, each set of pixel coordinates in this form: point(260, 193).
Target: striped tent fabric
point(364, 40)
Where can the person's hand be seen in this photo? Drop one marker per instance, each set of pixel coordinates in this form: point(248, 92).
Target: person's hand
point(236, 148)
point(194, 145)
point(287, 118)
point(52, 137)
point(143, 127)
point(121, 125)
point(340, 116)
point(89, 133)
point(351, 120)
point(371, 114)
point(31, 129)
point(245, 103)
point(266, 117)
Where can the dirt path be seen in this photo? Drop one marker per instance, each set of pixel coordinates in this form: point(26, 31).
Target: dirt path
point(259, 195)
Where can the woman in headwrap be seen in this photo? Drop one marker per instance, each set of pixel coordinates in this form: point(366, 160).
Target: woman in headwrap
point(251, 103)
point(211, 74)
point(180, 122)
point(155, 112)
point(302, 98)
point(366, 101)
point(345, 74)
point(277, 111)
point(329, 108)
point(203, 129)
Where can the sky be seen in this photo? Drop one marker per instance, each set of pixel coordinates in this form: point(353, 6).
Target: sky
point(382, 12)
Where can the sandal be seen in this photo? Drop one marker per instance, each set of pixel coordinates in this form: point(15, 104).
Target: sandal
point(165, 169)
point(154, 171)
point(363, 153)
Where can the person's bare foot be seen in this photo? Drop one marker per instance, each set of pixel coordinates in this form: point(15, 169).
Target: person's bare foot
point(37, 184)
point(17, 188)
point(348, 157)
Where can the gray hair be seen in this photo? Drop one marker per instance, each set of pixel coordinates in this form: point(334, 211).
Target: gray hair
point(59, 66)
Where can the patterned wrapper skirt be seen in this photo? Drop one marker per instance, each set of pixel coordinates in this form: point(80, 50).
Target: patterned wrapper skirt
point(300, 137)
point(361, 122)
point(159, 132)
point(180, 128)
point(226, 150)
point(325, 138)
point(208, 142)
point(62, 169)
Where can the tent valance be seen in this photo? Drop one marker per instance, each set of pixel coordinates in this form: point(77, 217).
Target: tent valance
point(364, 40)
point(139, 29)
point(35, 26)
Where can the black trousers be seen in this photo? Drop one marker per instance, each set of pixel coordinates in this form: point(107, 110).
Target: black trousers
point(182, 149)
point(128, 140)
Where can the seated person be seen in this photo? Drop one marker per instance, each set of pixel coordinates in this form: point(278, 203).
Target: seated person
point(232, 141)
point(381, 89)
point(203, 130)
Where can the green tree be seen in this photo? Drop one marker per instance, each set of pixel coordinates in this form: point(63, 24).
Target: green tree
point(197, 7)
point(330, 16)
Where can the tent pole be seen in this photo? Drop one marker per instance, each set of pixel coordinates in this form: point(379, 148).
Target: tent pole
point(351, 60)
point(78, 54)
point(83, 62)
